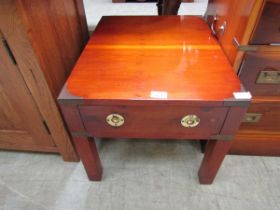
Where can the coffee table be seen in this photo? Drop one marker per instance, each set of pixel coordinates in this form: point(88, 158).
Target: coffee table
point(153, 77)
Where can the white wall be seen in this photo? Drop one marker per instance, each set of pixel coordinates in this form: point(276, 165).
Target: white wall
point(95, 9)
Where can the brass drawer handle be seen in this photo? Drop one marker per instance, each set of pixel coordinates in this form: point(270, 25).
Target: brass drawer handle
point(212, 26)
point(269, 76)
point(221, 28)
point(252, 118)
point(115, 120)
point(190, 121)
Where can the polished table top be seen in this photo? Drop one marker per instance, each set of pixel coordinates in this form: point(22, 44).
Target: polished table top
point(153, 58)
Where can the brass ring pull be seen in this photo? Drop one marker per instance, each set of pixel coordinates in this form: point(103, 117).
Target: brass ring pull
point(115, 120)
point(212, 26)
point(190, 121)
point(221, 28)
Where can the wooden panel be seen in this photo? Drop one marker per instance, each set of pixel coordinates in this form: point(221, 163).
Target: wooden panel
point(38, 67)
point(81, 15)
point(21, 140)
point(9, 118)
point(152, 121)
point(263, 137)
point(16, 137)
point(239, 16)
point(173, 60)
point(264, 147)
point(57, 37)
point(254, 64)
point(270, 119)
point(267, 30)
point(56, 45)
point(15, 97)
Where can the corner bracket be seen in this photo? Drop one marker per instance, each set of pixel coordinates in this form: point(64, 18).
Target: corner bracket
point(81, 134)
point(240, 99)
point(222, 137)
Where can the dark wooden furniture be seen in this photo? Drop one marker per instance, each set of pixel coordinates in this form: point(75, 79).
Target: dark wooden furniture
point(249, 33)
point(134, 82)
point(168, 7)
point(142, 1)
point(40, 42)
point(165, 7)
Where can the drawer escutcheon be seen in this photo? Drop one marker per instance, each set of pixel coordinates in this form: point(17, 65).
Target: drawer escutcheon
point(190, 121)
point(252, 118)
point(269, 77)
point(115, 120)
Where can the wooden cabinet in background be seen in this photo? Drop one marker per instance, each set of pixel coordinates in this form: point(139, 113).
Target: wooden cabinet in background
point(248, 31)
point(260, 73)
point(268, 28)
point(40, 42)
point(142, 1)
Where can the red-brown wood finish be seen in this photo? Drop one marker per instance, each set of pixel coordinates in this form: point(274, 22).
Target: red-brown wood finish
point(45, 38)
point(86, 147)
point(262, 137)
point(267, 31)
point(153, 76)
point(235, 16)
point(154, 121)
point(253, 22)
point(150, 57)
point(256, 147)
point(270, 117)
point(215, 151)
point(253, 65)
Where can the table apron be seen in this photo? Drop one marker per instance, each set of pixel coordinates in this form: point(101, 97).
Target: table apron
point(161, 122)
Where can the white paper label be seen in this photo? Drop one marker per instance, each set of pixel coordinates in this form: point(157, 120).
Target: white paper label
point(158, 94)
point(242, 95)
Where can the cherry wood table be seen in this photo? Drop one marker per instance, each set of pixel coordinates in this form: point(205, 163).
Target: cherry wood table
point(153, 77)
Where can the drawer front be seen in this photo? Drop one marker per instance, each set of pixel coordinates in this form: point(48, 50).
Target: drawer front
point(262, 116)
point(260, 73)
point(256, 147)
point(268, 28)
point(153, 122)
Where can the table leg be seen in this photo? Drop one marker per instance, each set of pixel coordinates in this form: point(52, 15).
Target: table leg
point(171, 7)
point(214, 155)
point(89, 155)
point(85, 146)
point(160, 7)
point(168, 7)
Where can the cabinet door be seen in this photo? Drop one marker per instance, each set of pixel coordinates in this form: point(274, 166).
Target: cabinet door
point(21, 125)
point(232, 17)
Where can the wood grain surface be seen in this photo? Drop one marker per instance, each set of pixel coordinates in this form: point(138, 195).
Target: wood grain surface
point(256, 62)
point(153, 121)
point(184, 61)
point(125, 70)
point(45, 38)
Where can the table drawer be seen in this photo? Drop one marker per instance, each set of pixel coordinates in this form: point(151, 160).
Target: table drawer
point(262, 116)
point(267, 31)
point(260, 73)
point(154, 122)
